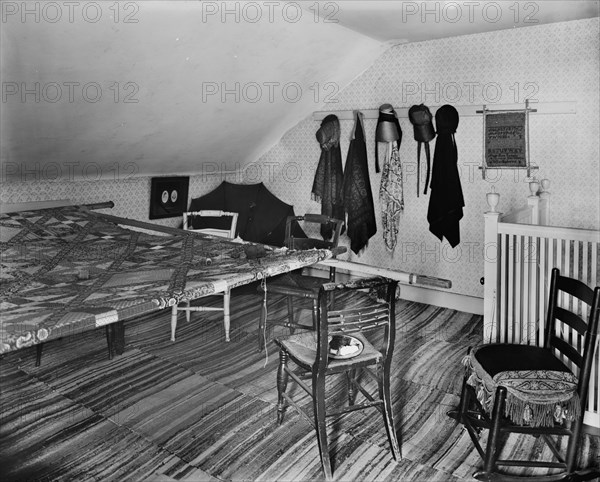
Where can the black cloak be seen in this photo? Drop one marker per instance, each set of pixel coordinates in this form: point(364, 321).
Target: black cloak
point(446, 200)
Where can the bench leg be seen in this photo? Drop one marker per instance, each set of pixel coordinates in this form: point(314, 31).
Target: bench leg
point(38, 354)
point(115, 338)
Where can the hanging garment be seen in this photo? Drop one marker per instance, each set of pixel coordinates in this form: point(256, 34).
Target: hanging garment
point(329, 177)
point(358, 198)
point(389, 135)
point(391, 197)
point(446, 200)
point(420, 117)
point(387, 130)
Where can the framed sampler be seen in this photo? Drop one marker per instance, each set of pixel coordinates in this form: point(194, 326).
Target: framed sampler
point(506, 139)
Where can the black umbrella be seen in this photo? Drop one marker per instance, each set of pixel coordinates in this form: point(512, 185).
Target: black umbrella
point(262, 215)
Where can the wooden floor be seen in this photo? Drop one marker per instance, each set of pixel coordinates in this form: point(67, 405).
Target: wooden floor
point(203, 409)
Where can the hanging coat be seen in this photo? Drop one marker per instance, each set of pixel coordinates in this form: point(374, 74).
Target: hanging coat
point(327, 185)
point(446, 200)
point(358, 198)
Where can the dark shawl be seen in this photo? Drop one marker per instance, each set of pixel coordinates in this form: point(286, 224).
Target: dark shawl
point(446, 200)
point(358, 198)
point(327, 186)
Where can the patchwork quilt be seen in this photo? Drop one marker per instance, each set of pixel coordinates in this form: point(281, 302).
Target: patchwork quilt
point(68, 270)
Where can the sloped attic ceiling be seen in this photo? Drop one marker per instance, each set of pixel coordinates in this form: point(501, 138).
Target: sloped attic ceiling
point(179, 87)
point(402, 21)
point(163, 87)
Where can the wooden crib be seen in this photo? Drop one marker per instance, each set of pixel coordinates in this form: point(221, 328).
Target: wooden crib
point(520, 250)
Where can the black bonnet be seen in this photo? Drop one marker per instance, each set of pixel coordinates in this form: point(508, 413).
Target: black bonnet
point(446, 119)
point(420, 117)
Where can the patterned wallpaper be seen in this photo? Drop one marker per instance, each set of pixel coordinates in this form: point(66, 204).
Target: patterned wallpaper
point(130, 195)
point(555, 62)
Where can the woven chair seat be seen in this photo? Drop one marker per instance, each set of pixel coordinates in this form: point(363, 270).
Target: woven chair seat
point(303, 347)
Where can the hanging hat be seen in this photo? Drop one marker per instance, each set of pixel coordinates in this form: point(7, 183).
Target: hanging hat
point(328, 134)
point(420, 117)
point(388, 129)
point(446, 119)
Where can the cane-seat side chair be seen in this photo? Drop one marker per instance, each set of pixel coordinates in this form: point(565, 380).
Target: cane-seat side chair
point(309, 351)
point(221, 230)
point(540, 391)
point(295, 285)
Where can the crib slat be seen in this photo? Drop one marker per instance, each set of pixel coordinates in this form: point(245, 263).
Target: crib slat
point(510, 294)
point(499, 289)
point(534, 274)
point(524, 307)
point(505, 291)
point(542, 269)
point(518, 286)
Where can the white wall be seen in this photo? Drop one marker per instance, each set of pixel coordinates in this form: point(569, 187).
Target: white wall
point(161, 87)
point(555, 62)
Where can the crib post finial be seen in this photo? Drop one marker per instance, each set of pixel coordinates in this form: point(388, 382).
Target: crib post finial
point(534, 186)
point(493, 198)
point(545, 185)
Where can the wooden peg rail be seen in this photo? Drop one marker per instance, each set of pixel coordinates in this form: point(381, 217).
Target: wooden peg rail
point(563, 107)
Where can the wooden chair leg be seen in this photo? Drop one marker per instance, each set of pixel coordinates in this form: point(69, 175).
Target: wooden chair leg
point(494, 435)
point(315, 313)
point(290, 308)
point(282, 381)
point(459, 413)
point(188, 313)
point(388, 417)
point(262, 326)
point(350, 375)
point(226, 315)
point(573, 445)
point(38, 354)
point(320, 425)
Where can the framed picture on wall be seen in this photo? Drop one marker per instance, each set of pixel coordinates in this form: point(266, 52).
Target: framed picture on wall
point(506, 140)
point(168, 196)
